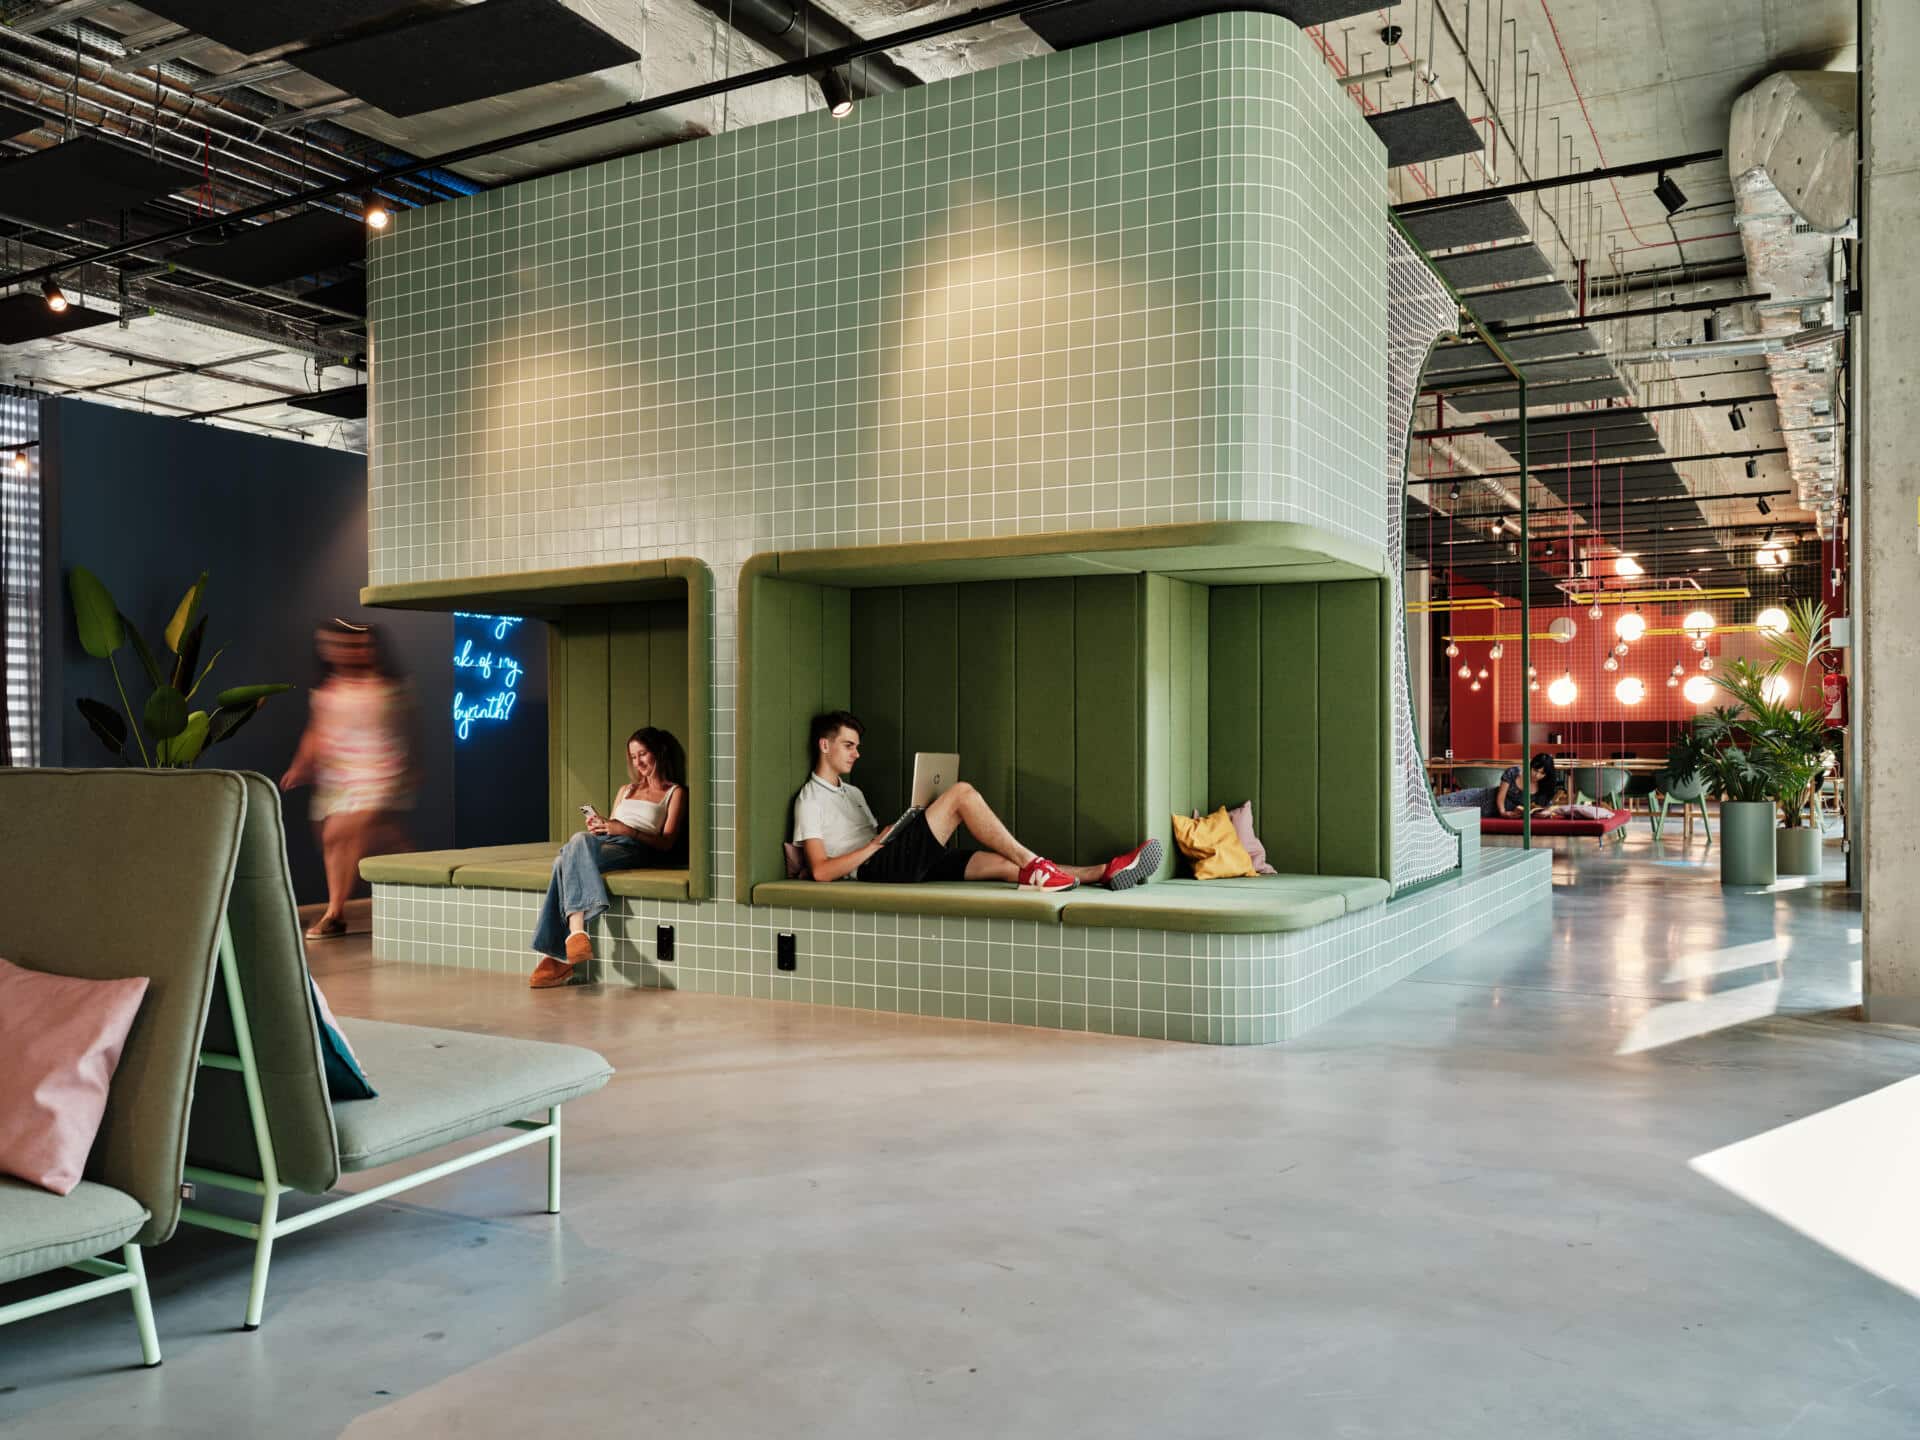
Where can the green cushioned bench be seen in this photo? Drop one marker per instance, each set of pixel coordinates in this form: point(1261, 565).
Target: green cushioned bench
point(1267, 905)
point(512, 867)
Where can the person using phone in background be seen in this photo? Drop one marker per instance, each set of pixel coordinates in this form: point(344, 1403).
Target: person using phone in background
point(647, 828)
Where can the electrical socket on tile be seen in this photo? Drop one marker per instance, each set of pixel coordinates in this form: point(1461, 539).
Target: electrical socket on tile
point(663, 942)
point(786, 951)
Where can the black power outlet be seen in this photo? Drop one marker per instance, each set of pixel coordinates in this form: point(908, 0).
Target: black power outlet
point(663, 942)
point(786, 951)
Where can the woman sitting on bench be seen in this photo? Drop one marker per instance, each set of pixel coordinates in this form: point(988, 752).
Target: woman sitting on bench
point(647, 828)
point(1507, 800)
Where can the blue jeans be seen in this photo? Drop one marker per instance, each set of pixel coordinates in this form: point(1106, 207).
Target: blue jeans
point(576, 885)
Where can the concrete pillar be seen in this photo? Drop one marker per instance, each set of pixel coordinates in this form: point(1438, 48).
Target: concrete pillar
point(1887, 511)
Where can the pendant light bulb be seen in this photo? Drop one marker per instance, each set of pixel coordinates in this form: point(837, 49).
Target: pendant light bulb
point(1596, 612)
point(1497, 651)
point(1612, 662)
point(373, 210)
point(1706, 662)
point(1465, 672)
point(1453, 650)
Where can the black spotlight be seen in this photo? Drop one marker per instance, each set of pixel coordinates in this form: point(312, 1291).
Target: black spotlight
point(1454, 493)
point(1761, 505)
point(1736, 419)
point(56, 297)
point(1669, 194)
point(833, 87)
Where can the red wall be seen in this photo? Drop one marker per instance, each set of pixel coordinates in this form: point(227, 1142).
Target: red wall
point(1486, 725)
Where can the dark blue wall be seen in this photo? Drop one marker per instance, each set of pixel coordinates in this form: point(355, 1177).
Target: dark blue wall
point(147, 503)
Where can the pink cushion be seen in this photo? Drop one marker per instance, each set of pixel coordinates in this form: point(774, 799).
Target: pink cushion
point(1242, 817)
point(797, 867)
point(60, 1040)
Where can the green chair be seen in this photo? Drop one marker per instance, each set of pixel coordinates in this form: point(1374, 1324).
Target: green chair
point(263, 1124)
point(1476, 777)
point(1686, 794)
point(1594, 783)
point(152, 909)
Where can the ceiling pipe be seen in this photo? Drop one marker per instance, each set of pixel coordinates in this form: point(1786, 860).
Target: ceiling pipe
point(688, 95)
point(799, 30)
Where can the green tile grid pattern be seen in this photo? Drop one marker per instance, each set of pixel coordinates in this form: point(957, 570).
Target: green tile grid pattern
point(1220, 989)
point(1139, 282)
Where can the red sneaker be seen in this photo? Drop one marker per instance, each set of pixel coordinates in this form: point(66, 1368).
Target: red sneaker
point(1042, 874)
point(1136, 867)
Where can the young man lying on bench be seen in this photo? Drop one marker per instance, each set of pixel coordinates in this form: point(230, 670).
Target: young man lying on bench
point(842, 840)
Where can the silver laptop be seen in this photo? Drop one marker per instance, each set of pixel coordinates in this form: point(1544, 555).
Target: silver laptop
point(932, 775)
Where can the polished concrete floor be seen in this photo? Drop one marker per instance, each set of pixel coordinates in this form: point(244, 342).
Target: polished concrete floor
point(1458, 1210)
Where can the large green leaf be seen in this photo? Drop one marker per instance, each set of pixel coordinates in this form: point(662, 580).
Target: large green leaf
point(147, 662)
point(206, 671)
point(229, 718)
point(189, 656)
point(105, 721)
point(94, 614)
point(242, 694)
point(166, 713)
point(184, 612)
point(183, 749)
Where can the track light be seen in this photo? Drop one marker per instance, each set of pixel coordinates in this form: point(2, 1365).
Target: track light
point(1669, 194)
point(1753, 472)
point(374, 211)
point(1736, 419)
point(56, 297)
point(833, 88)
point(1454, 493)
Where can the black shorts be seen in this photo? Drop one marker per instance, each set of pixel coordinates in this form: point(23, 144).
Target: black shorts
point(912, 856)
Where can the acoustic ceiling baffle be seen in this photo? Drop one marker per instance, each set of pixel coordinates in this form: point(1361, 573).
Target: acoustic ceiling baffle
point(1473, 222)
point(348, 402)
point(1417, 134)
point(261, 25)
point(16, 122)
point(1072, 25)
point(85, 179)
point(1501, 265)
point(470, 53)
point(26, 317)
point(1523, 302)
point(1547, 345)
point(1577, 392)
point(309, 242)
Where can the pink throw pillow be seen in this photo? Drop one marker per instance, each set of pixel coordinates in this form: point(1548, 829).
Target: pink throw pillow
point(797, 867)
point(1242, 817)
point(60, 1041)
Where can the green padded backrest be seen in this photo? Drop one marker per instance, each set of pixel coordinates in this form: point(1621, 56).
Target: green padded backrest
point(149, 902)
point(797, 666)
point(1036, 683)
point(265, 922)
point(1174, 723)
point(1297, 720)
point(612, 669)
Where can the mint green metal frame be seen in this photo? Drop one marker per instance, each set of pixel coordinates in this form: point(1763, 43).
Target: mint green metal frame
point(270, 1226)
point(129, 1275)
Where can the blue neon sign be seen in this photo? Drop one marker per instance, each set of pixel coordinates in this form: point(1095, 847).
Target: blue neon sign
point(482, 662)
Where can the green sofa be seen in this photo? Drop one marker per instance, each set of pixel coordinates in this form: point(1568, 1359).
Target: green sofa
point(263, 1124)
point(158, 919)
point(1095, 684)
point(511, 867)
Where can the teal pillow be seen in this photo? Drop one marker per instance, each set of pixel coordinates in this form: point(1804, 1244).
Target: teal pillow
point(345, 1079)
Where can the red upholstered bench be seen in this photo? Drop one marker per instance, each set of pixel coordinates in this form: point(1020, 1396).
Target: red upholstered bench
point(1598, 829)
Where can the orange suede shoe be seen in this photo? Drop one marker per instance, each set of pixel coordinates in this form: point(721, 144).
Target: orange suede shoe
point(549, 973)
point(579, 947)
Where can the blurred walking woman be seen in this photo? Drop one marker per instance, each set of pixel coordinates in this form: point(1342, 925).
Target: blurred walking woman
point(647, 827)
point(354, 754)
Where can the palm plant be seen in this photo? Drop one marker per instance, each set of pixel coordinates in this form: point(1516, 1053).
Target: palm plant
point(178, 734)
point(1726, 759)
point(1783, 746)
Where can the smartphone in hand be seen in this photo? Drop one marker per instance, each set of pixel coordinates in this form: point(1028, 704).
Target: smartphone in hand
point(589, 814)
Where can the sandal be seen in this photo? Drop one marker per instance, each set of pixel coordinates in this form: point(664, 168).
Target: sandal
point(327, 930)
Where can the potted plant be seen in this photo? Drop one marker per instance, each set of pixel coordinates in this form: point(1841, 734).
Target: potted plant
point(1738, 775)
point(1789, 746)
point(178, 734)
point(1801, 737)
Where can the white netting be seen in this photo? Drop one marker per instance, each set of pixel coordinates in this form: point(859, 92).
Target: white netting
point(1419, 310)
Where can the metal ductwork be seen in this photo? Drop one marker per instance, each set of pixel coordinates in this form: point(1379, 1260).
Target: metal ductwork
point(1791, 154)
point(794, 29)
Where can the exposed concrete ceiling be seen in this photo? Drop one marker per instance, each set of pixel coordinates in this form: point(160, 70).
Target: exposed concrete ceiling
point(1613, 81)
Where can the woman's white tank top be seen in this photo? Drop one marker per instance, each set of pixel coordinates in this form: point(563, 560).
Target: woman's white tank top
point(649, 817)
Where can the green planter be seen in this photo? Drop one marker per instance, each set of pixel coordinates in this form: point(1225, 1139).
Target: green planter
point(1797, 850)
point(1746, 842)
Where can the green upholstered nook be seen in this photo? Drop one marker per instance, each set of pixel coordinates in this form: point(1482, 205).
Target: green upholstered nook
point(628, 645)
point(530, 872)
point(1094, 684)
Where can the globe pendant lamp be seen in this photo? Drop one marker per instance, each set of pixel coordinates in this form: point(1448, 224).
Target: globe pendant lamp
point(1630, 691)
point(1465, 672)
point(1698, 690)
point(1612, 662)
point(1452, 650)
point(1630, 627)
point(1706, 662)
point(1497, 651)
point(1563, 691)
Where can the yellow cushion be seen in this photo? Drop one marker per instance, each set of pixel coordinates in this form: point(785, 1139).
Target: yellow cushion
point(1213, 846)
